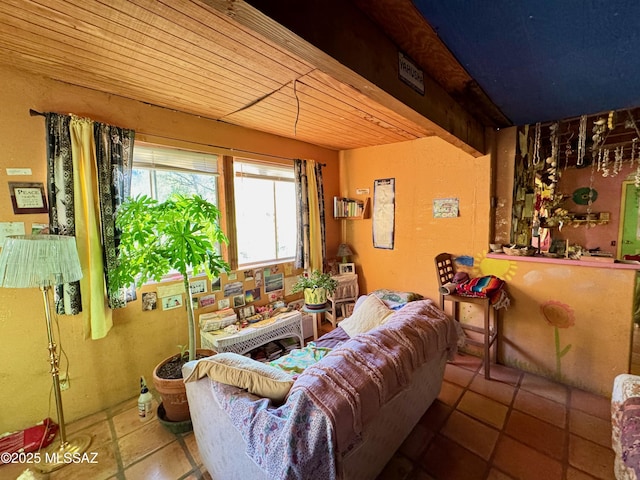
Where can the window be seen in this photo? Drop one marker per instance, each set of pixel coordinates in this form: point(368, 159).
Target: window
point(265, 199)
point(265, 204)
point(158, 172)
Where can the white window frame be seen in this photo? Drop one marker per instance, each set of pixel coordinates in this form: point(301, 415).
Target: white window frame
point(275, 172)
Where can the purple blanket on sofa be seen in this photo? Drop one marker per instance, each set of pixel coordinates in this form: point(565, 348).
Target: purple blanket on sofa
point(352, 382)
point(331, 401)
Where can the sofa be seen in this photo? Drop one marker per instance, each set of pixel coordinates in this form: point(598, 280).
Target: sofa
point(625, 426)
point(342, 415)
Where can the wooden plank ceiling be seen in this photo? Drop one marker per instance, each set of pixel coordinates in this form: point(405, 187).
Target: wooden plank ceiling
point(190, 57)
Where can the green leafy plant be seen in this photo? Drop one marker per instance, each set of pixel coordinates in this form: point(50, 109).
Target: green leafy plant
point(316, 279)
point(181, 233)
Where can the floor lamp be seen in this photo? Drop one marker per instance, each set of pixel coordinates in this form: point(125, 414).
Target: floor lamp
point(42, 261)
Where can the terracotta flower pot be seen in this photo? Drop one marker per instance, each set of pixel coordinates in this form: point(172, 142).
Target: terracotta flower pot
point(173, 391)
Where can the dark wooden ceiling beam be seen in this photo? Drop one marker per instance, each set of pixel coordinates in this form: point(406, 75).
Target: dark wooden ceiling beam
point(406, 27)
point(343, 42)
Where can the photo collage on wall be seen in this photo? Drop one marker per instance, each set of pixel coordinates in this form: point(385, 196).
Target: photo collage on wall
point(244, 291)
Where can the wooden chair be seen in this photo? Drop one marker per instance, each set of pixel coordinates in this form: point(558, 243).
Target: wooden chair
point(488, 333)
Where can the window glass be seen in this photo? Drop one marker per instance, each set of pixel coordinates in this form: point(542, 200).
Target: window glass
point(265, 205)
point(158, 172)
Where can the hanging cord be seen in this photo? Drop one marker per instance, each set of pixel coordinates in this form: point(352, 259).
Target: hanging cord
point(295, 92)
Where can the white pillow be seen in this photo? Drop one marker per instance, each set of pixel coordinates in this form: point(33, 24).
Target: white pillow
point(371, 313)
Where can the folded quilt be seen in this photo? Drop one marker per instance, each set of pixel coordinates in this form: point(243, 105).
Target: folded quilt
point(487, 286)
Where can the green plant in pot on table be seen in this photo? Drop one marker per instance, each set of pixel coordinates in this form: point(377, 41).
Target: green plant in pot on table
point(181, 233)
point(315, 286)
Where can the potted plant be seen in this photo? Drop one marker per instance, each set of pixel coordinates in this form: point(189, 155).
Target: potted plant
point(315, 286)
point(180, 234)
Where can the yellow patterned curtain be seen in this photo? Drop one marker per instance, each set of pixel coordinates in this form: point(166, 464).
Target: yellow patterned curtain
point(315, 231)
point(97, 315)
point(311, 242)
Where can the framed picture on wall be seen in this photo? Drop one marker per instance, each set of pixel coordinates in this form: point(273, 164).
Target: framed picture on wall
point(28, 197)
point(347, 268)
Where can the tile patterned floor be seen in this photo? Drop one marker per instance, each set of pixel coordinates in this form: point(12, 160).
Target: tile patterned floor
point(515, 426)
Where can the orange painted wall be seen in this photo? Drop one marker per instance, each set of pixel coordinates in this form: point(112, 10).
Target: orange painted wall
point(102, 372)
point(424, 170)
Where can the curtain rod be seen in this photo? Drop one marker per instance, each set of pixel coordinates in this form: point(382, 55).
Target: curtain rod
point(35, 113)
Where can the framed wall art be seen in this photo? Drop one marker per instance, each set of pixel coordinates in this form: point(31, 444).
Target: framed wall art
point(384, 193)
point(28, 198)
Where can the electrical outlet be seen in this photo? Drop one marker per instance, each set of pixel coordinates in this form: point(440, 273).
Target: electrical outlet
point(64, 382)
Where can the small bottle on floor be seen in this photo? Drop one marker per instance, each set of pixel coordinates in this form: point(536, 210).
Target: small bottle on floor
point(145, 402)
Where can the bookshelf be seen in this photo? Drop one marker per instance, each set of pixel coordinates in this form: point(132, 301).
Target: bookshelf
point(350, 208)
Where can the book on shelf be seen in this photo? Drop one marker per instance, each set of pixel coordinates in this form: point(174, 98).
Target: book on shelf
point(347, 207)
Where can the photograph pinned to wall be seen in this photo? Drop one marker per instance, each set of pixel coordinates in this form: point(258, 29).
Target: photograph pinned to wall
point(347, 268)
point(171, 302)
point(232, 276)
point(149, 301)
point(248, 275)
point(207, 300)
point(257, 274)
point(274, 282)
point(28, 198)
point(170, 290)
point(384, 192)
point(215, 284)
point(10, 228)
point(130, 294)
point(446, 208)
point(231, 289)
point(289, 282)
point(198, 286)
point(274, 269)
point(39, 228)
point(223, 303)
point(288, 269)
point(252, 295)
point(277, 295)
point(238, 301)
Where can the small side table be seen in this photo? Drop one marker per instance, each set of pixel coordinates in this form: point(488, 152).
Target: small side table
point(316, 312)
